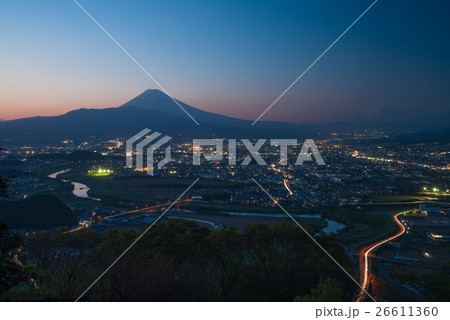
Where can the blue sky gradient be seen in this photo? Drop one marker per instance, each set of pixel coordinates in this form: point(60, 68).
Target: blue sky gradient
point(229, 57)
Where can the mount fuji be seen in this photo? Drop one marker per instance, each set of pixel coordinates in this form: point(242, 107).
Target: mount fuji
point(156, 110)
point(151, 109)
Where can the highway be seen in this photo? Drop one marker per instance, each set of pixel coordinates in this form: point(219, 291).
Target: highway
point(149, 209)
point(160, 207)
point(365, 254)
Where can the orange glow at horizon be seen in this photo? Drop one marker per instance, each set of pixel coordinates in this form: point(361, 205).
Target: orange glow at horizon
point(11, 111)
point(32, 104)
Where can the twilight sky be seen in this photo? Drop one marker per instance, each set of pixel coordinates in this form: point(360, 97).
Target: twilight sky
point(228, 57)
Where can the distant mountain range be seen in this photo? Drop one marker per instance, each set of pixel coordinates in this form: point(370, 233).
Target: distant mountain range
point(440, 135)
point(155, 110)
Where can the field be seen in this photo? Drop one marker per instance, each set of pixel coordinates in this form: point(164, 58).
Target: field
point(362, 225)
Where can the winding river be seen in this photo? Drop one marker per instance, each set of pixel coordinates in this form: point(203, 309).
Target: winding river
point(79, 189)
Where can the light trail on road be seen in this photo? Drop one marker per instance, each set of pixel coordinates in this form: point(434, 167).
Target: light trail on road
point(86, 224)
point(287, 187)
point(83, 225)
point(364, 263)
point(15, 259)
point(178, 203)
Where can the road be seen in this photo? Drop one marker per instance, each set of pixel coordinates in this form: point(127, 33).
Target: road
point(287, 187)
point(152, 208)
point(15, 259)
point(159, 207)
point(365, 254)
point(82, 225)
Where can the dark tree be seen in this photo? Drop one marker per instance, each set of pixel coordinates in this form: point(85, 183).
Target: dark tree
point(11, 272)
point(327, 290)
point(4, 186)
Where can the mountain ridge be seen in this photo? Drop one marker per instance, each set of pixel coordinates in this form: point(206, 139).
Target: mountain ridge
point(155, 110)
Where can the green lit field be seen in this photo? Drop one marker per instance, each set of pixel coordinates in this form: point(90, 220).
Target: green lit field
point(100, 172)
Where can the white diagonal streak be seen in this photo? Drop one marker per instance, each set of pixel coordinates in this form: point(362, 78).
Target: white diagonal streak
point(314, 62)
point(134, 60)
point(135, 241)
point(313, 239)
